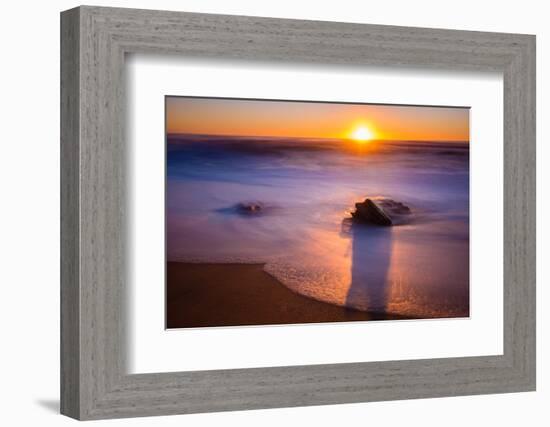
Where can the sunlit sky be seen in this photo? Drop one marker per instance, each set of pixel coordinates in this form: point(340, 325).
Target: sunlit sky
point(216, 116)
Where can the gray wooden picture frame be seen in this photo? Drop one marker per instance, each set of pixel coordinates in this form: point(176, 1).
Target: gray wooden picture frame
point(94, 381)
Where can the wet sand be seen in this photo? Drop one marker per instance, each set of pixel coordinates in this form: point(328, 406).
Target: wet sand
point(201, 295)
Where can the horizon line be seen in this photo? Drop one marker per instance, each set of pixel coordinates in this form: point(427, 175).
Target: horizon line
point(449, 141)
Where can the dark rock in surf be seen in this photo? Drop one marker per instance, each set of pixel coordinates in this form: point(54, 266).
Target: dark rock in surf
point(392, 208)
point(370, 212)
point(380, 211)
point(249, 208)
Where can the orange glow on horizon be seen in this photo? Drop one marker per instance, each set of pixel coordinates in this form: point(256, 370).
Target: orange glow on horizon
point(360, 123)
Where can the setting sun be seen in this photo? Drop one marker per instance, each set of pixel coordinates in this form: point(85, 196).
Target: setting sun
point(362, 134)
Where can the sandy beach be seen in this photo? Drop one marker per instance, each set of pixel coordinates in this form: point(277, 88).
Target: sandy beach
point(202, 295)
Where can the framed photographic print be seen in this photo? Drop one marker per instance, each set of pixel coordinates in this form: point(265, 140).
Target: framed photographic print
point(283, 212)
point(262, 213)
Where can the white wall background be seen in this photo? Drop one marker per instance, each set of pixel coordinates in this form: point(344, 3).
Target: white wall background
point(29, 214)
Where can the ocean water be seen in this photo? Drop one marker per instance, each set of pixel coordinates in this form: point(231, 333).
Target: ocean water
point(303, 233)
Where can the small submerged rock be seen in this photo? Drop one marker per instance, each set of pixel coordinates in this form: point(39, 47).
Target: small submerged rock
point(385, 212)
point(249, 208)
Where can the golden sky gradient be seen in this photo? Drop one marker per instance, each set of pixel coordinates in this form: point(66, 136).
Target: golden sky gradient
point(216, 116)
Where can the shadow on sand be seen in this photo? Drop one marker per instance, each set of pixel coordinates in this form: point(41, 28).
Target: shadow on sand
point(370, 264)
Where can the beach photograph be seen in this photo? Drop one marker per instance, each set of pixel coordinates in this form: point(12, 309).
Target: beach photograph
point(289, 212)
